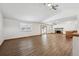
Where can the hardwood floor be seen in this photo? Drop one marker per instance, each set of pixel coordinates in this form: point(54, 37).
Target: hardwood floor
point(45, 45)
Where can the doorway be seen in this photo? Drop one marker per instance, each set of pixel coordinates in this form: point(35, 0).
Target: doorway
point(43, 29)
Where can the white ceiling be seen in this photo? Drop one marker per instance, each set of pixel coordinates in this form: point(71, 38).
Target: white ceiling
point(68, 11)
point(34, 12)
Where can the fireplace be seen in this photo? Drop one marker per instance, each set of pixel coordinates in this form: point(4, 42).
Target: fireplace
point(59, 30)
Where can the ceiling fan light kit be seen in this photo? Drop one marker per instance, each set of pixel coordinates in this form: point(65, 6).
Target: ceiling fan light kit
point(51, 5)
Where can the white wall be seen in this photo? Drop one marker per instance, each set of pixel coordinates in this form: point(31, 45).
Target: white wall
point(75, 48)
point(12, 29)
point(1, 29)
point(67, 26)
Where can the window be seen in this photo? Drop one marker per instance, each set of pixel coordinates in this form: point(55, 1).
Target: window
point(26, 27)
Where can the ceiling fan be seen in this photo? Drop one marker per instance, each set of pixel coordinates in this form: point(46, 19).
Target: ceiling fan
point(52, 5)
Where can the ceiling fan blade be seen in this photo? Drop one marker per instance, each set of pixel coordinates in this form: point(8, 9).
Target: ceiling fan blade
point(53, 7)
point(56, 6)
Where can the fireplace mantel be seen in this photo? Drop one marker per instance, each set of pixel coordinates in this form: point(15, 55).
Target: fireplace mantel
point(58, 30)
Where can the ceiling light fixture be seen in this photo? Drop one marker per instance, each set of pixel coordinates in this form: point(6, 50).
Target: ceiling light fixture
point(51, 5)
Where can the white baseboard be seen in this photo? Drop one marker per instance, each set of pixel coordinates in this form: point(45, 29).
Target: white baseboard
point(19, 36)
point(1, 41)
